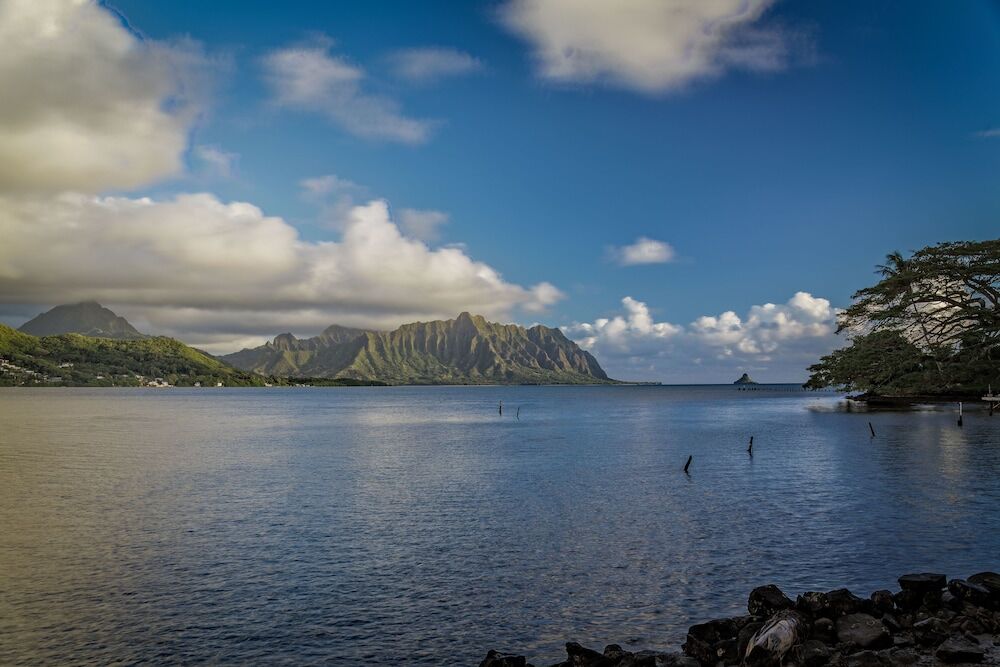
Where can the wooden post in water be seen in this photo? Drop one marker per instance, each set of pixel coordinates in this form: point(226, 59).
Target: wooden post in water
point(688, 465)
point(517, 413)
point(501, 408)
point(871, 428)
point(750, 448)
point(960, 413)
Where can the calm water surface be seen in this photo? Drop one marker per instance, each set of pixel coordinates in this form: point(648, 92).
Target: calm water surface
point(417, 526)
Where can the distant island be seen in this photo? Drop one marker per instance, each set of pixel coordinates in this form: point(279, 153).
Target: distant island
point(745, 379)
point(86, 344)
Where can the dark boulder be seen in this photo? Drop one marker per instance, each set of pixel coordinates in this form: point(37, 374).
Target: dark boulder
point(497, 659)
point(811, 653)
point(812, 603)
point(924, 582)
point(931, 631)
point(907, 600)
point(767, 600)
point(842, 602)
point(863, 659)
point(882, 602)
point(824, 629)
point(960, 649)
point(863, 631)
point(715, 640)
point(580, 656)
point(656, 659)
point(746, 634)
point(990, 580)
point(970, 592)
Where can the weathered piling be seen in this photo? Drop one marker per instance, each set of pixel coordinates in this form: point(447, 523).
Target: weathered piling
point(871, 428)
point(688, 464)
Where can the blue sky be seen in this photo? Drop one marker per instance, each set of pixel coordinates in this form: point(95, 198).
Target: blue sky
point(812, 139)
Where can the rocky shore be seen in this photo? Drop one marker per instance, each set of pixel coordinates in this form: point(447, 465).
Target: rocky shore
point(930, 621)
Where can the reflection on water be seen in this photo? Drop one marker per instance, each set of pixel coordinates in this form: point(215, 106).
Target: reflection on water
point(415, 525)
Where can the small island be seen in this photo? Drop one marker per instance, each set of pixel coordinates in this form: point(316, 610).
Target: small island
point(745, 379)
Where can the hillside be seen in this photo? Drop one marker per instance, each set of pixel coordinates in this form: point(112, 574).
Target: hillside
point(88, 319)
point(465, 350)
point(73, 359)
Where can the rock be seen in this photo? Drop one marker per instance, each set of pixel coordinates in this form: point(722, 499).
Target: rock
point(746, 634)
point(924, 582)
point(656, 659)
point(812, 653)
point(903, 656)
point(812, 603)
point(842, 601)
point(970, 592)
point(931, 631)
point(615, 652)
point(990, 580)
point(863, 631)
point(709, 642)
point(882, 602)
point(770, 644)
point(580, 656)
point(824, 629)
point(863, 659)
point(960, 649)
point(907, 600)
point(497, 659)
point(767, 600)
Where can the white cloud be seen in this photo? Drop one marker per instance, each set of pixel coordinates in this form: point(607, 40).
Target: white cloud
point(779, 340)
point(309, 78)
point(647, 45)
point(428, 65)
point(422, 224)
point(217, 162)
point(88, 105)
point(198, 267)
point(990, 133)
point(644, 251)
point(328, 184)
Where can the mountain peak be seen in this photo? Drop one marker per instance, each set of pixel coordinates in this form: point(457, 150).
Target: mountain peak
point(466, 350)
point(88, 318)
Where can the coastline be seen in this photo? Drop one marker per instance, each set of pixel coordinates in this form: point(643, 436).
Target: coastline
point(931, 620)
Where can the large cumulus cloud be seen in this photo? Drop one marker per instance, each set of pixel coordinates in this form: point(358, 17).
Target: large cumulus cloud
point(86, 103)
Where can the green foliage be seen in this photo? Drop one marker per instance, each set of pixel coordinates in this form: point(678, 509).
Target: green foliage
point(931, 325)
point(107, 361)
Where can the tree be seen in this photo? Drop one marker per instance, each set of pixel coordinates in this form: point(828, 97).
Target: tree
point(943, 302)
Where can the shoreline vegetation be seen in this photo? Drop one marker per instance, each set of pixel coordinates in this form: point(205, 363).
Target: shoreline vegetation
point(930, 620)
point(927, 331)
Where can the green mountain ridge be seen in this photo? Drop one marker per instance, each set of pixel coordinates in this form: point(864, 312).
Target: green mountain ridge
point(88, 318)
point(77, 360)
point(465, 350)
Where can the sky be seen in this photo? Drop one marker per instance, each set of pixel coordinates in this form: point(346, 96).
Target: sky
point(690, 189)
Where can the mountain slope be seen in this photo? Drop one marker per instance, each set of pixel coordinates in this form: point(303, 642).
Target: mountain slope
point(466, 350)
point(80, 360)
point(88, 319)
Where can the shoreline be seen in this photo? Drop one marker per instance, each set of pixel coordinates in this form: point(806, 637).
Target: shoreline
point(931, 620)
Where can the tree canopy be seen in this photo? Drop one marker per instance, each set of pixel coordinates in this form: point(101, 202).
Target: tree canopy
point(931, 325)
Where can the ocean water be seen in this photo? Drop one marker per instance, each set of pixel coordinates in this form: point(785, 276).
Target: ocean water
point(416, 525)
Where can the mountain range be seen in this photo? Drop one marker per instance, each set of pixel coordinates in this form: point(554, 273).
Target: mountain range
point(465, 350)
